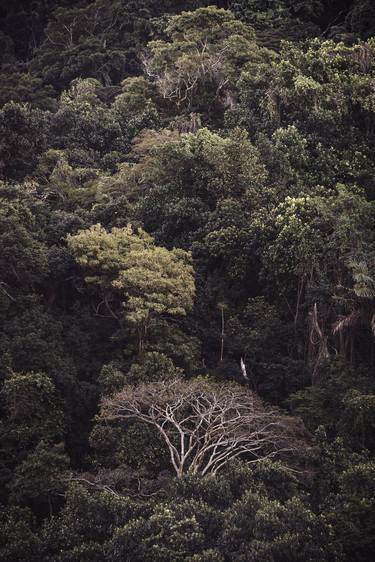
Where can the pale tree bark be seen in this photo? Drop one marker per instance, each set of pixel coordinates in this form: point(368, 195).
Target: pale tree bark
point(318, 343)
point(205, 425)
point(222, 335)
point(179, 83)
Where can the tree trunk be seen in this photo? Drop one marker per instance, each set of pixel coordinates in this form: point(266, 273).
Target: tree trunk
point(222, 334)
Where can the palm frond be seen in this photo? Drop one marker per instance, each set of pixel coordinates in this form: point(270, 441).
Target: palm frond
point(364, 286)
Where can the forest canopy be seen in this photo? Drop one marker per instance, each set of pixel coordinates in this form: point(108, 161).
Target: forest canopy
point(187, 281)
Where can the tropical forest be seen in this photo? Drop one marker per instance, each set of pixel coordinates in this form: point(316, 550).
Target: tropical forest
point(187, 280)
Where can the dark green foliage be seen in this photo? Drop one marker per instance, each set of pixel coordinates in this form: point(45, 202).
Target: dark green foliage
point(237, 139)
point(18, 85)
point(19, 541)
point(85, 523)
point(41, 477)
point(150, 367)
point(22, 131)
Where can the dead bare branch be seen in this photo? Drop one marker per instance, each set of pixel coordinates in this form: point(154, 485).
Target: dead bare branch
point(204, 425)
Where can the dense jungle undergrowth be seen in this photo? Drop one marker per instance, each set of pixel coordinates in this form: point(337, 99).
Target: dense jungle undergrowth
point(187, 281)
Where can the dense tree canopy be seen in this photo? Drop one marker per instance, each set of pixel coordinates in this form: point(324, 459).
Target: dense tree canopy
point(187, 280)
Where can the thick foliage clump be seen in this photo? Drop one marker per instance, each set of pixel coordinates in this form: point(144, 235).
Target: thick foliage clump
point(187, 281)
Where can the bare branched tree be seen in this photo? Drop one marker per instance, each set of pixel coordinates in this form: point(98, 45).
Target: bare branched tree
point(179, 82)
point(123, 481)
point(205, 425)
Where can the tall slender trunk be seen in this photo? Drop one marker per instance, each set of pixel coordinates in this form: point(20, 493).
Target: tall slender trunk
point(140, 340)
point(301, 285)
point(222, 334)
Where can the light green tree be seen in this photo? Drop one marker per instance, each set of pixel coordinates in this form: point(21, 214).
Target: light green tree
point(203, 52)
point(150, 281)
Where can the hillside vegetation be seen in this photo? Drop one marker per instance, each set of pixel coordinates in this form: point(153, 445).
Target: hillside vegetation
point(187, 281)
